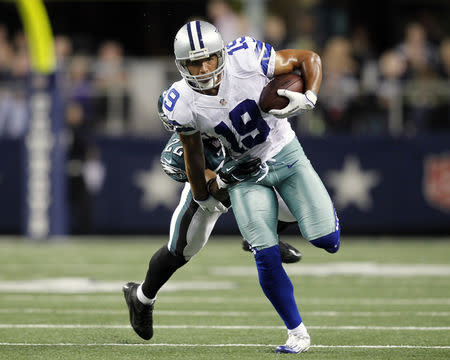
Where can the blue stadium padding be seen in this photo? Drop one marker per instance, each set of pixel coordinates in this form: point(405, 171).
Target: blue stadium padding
point(59, 206)
point(44, 206)
point(409, 195)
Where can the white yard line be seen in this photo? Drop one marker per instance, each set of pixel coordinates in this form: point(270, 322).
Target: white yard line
point(226, 313)
point(232, 345)
point(223, 327)
point(363, 268)
point(165, 298)
point(346, 268)
point(76, 285)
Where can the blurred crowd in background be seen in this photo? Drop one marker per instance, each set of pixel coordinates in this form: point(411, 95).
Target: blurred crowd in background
point(400, 90)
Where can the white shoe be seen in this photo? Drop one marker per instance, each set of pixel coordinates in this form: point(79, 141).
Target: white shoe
point(298, 341)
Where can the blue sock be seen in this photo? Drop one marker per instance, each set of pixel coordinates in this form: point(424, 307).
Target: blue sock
point(277, 286)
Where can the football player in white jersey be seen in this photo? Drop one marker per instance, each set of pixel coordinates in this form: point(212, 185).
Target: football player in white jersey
point(190, 226)
point(218, 96)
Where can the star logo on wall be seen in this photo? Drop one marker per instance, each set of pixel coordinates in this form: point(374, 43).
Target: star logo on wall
point(157, 188)
point(352, 185)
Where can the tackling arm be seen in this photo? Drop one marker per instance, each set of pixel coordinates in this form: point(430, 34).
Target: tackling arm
point(195, 164)
point(194, 161)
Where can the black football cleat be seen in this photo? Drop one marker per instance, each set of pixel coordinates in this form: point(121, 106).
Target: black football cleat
point(289, 254)
point(246, 245)
point(141, 315)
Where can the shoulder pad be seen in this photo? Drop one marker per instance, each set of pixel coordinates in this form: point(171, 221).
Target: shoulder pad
point(175, 173)
point(172, 159)
point(249, 54)
point(176, 106)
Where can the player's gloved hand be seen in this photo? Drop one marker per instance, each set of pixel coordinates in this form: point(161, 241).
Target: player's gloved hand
point(298, 103)
point(237, 170)
point(212, 205)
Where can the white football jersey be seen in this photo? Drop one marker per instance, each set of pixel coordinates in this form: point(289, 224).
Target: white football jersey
point(233, 115)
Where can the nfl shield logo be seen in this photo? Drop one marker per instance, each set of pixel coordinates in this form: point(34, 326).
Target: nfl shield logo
point(437, 181)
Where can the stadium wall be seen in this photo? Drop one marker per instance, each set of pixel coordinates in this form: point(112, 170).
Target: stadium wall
point(380, 185)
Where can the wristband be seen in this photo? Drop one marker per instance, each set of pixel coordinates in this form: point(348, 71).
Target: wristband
point(209, 183)
point(220, 183)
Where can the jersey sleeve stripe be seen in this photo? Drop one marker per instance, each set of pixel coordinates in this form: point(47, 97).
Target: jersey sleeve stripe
point(181, 128)
point(258, 47)
point(259, 50)
point(174, 123)
point(266, 58)
point(185, 130)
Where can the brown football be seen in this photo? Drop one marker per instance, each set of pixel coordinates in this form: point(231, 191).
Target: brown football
point(269, 99)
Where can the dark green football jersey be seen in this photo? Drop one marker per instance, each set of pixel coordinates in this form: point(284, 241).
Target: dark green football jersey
point(172, 157)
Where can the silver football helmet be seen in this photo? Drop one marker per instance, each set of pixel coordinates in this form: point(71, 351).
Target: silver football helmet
point(167, 125)
point(198, 40)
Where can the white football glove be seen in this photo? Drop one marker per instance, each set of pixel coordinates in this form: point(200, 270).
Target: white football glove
point(298, 103)
point(212, 205)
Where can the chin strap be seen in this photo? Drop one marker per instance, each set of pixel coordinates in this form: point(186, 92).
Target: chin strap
point(207, 86)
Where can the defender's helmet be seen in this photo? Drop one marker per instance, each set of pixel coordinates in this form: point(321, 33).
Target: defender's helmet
point(167, 125)
point(199, 40)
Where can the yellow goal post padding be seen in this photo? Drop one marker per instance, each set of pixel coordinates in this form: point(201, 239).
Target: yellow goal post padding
point(39, 34)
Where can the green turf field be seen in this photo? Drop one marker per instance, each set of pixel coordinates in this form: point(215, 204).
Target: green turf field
point(375, 299)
